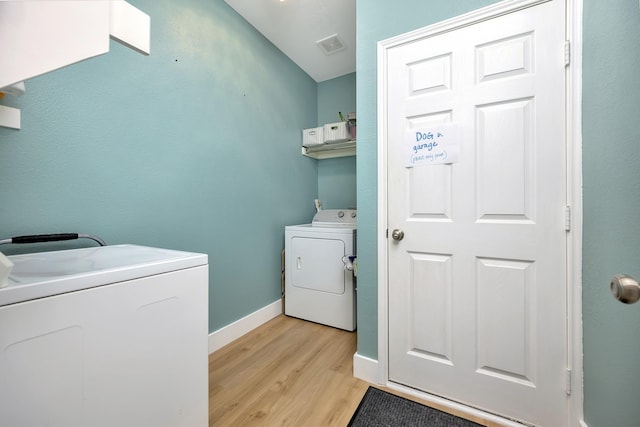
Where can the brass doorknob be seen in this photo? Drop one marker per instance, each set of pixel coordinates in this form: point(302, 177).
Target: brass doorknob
point(397, 234)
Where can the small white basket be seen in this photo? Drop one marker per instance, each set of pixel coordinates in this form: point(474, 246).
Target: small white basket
point(312, 136)
point(336, 132)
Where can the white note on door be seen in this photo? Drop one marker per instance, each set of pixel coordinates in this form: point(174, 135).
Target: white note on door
point(432, 145)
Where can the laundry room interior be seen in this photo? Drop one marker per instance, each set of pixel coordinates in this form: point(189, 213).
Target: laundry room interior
point(197, 147)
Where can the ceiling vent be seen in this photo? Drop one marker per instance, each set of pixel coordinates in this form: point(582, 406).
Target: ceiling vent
point(331, 45)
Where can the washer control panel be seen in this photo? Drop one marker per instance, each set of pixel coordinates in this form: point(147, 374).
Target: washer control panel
point(333, 217)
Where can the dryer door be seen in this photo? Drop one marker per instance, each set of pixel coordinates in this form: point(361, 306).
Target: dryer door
point(317, 264)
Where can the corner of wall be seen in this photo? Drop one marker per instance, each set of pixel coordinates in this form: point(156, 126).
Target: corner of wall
point(235, 330)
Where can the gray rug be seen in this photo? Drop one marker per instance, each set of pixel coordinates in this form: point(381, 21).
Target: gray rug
point(381, 409)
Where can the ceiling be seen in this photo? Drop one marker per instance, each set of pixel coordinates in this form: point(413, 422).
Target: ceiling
point(294, 27)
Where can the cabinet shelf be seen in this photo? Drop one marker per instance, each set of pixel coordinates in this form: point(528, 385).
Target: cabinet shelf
point(331, 150)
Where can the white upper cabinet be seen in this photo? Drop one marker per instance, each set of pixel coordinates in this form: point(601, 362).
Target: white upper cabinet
point(41, 36)
point(130, 26)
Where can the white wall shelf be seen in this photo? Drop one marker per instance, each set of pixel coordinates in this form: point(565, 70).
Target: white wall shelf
point(9, 117)
point(331, 150)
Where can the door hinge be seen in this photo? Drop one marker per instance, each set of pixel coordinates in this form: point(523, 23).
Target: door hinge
point(568, 382)
point(567, 218)
point(567, 53)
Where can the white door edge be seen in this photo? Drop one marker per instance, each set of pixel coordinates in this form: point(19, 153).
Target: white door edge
point(574, 193)
point(574, 185)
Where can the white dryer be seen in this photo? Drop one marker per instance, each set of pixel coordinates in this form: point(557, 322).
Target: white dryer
point(318, 285)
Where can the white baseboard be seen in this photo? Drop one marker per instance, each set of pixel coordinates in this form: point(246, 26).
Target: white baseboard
point(235, 330)
point(365, 369)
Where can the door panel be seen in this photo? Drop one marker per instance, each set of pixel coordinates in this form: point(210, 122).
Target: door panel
point(505, 292)
point(477, 287)
point(505, 132)
point(431, 307)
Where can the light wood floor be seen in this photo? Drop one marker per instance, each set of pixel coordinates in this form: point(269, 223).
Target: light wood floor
point(287, 372)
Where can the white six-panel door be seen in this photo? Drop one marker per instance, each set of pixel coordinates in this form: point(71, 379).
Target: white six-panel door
point(477, 286)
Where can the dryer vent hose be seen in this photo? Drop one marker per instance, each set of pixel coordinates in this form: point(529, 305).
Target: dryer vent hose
point(41, 238)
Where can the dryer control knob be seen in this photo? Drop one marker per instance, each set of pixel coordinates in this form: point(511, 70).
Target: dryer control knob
point(340, 214)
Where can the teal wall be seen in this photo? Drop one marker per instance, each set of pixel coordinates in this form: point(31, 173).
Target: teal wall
point(337, 183)
point(611, 192)
point(195, 147)
point(611, 133)
point(337, 177)
point(336, 95)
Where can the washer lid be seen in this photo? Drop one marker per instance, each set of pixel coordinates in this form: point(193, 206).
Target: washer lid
point(43, 274)
point(335, 218)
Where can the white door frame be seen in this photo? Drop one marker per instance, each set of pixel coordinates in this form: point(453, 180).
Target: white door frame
point(574, 196)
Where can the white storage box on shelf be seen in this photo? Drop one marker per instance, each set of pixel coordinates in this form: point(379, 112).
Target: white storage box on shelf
point(336, 132)
point(329, 141)
point(312, 137)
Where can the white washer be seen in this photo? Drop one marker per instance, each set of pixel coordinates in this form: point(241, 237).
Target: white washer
point(318, 286)
point(108, 336)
